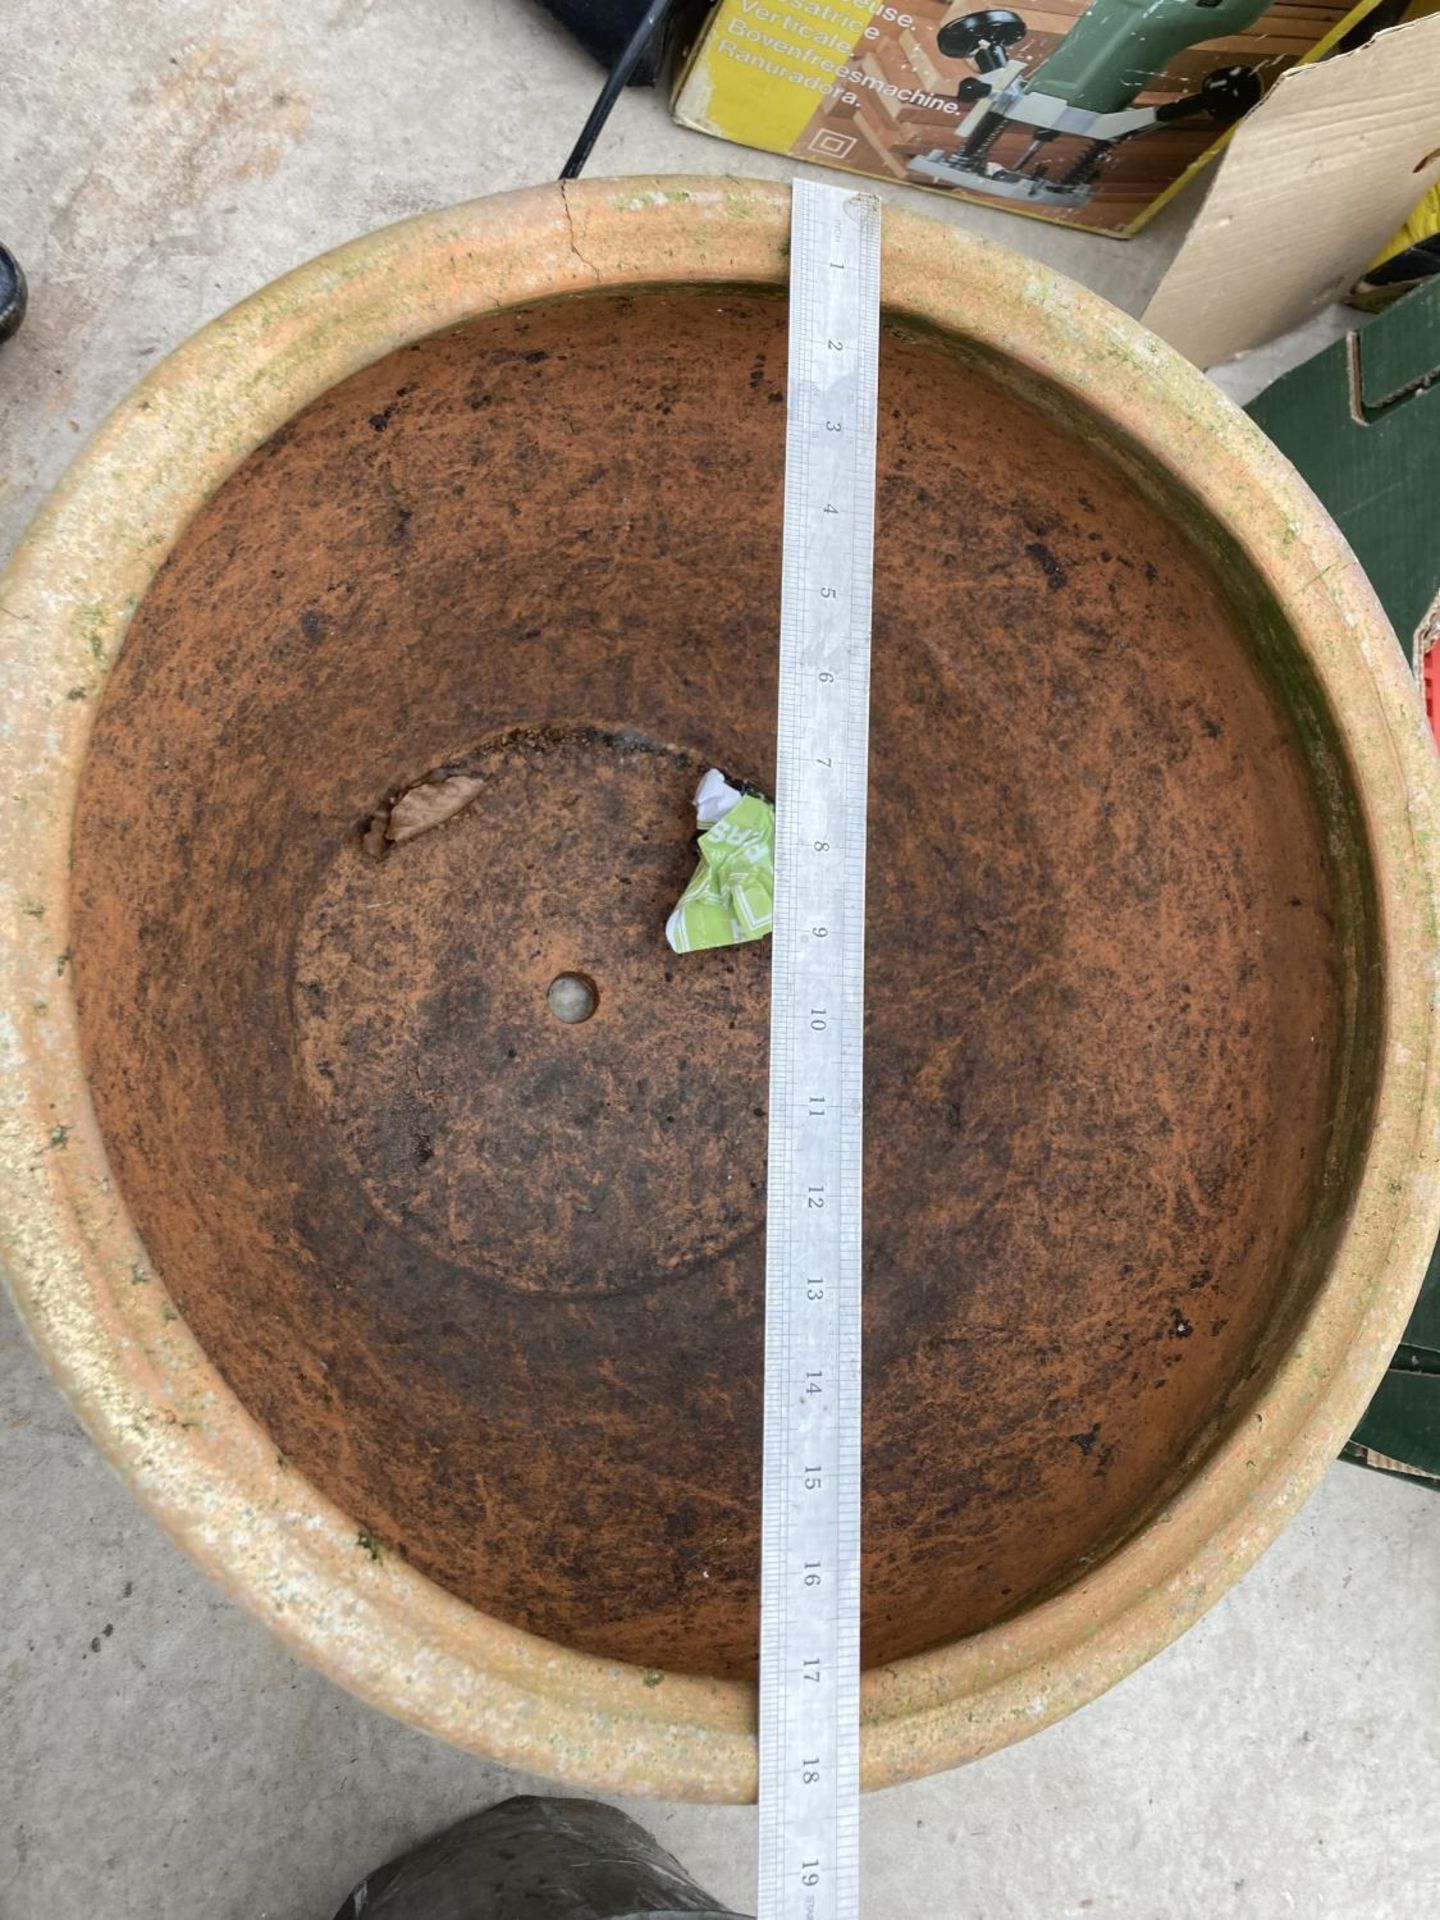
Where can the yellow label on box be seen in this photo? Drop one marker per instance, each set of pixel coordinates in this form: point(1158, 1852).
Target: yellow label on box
point(765, 65)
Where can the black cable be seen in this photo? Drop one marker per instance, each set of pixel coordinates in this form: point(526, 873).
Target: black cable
point(614, 85)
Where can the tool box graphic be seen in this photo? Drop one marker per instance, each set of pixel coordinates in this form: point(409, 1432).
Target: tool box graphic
point(1090, 115)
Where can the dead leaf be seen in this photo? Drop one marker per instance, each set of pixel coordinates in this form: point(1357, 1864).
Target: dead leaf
point(429, 804)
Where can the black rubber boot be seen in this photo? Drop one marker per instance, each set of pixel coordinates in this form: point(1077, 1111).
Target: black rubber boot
point(12, 293)
point(534, 1859)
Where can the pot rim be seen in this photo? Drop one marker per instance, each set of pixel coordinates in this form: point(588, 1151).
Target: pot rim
point(103, 1323)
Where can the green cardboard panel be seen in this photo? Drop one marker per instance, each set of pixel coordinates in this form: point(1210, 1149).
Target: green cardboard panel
point(1403, 1421)
point(1424, 1328)
point(1361, 421)
point(1396, 355)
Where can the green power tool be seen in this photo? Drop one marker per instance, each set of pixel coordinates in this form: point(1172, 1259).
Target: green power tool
point(1085, 89)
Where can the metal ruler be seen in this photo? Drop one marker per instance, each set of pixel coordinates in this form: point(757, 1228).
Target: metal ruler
point(810, 1549)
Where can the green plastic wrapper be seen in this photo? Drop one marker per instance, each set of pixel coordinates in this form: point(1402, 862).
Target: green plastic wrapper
point(731, 898)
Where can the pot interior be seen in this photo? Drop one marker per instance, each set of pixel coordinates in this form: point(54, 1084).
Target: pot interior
point(493, 1279)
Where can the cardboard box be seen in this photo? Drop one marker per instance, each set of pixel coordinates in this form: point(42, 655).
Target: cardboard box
point(1313, 183)
point(1091, 115)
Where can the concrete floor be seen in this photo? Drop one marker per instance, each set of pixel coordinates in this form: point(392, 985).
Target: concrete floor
point(162, 1756)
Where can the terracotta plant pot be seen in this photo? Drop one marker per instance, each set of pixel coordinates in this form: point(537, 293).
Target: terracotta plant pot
point(430, 1323)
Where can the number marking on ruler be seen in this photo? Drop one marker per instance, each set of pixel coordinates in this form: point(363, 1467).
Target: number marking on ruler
point(810, 1557)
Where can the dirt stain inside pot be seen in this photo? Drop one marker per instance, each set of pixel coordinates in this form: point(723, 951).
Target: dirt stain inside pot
point(491, 1278)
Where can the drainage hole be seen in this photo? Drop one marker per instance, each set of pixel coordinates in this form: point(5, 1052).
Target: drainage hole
point(572, 997)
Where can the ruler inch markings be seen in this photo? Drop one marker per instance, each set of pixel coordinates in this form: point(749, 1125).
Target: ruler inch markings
point(809, 1733)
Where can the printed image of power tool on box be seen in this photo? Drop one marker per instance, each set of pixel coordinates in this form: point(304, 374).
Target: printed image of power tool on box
point(1086, 88)
point(1090, 115)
